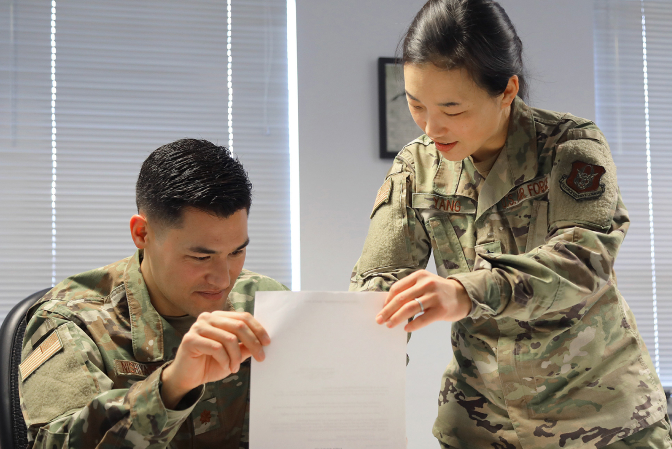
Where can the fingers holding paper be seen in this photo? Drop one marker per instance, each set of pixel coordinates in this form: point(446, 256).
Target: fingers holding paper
point(214, 347)
point(425, 293)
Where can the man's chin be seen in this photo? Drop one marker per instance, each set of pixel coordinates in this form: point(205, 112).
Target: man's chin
point(209, 306)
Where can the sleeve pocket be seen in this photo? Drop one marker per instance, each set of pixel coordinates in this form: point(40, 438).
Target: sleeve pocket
point(59, 385)
point(388, 243)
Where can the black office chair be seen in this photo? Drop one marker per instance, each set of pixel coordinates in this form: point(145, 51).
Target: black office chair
point(12, 426)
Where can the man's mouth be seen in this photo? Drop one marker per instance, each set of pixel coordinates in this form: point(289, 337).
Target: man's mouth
point(212, 295)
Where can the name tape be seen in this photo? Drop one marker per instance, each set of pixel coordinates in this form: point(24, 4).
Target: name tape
point(133, 368)
point(453, 204)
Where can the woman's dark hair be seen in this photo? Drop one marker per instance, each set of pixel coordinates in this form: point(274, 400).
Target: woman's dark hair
point(476, 35)
point(191, 173)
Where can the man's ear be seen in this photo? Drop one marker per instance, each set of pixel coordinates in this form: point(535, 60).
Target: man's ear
point(139, 230)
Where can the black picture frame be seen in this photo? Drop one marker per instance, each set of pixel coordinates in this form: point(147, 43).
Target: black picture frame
point(396, 125)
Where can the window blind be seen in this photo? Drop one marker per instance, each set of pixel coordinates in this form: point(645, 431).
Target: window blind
point(25, 150)
point(130, 77)
point(633, 85)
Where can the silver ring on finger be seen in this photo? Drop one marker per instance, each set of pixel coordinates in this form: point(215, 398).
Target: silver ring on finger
point(422, 308)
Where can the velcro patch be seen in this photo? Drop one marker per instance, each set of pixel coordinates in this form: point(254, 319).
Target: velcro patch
point(383, 195)
point(583, 182)
point(529, 190)
point(452, 204)
point(41, 354)
point(132, 368)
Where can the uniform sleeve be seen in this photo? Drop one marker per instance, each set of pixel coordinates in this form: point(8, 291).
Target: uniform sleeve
point(587, 223)
point(68, 401)
point(397, 243)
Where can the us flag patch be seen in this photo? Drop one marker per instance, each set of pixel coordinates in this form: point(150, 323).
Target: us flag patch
point(41, 354)
point(383, 195)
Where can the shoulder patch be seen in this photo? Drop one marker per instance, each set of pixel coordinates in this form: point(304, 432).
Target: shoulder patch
point(41, 354)
point(583, 182)
point(383, 195)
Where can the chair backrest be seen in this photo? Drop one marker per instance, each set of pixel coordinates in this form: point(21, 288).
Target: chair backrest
point(12, 425)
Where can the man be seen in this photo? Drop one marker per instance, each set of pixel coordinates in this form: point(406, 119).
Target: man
point(153, 350)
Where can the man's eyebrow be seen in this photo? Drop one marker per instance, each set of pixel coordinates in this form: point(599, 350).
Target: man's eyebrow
point(443, 105)
point(247, 242)
point(203, 250)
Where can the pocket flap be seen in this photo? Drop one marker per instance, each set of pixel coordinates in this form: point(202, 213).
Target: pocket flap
point(489, 248)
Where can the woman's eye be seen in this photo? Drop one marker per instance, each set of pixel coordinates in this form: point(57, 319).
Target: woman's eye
point(452, 115)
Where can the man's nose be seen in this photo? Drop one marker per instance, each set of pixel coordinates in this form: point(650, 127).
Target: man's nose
point(218, 275)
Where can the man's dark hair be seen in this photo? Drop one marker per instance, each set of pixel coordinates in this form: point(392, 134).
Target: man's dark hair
point(191, 173)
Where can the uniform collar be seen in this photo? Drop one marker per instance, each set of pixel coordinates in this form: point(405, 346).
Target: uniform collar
point(516, 164)
point(146, 323)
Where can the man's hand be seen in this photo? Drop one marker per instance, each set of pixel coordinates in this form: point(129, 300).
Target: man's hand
point(443, 300)
point(215, 346)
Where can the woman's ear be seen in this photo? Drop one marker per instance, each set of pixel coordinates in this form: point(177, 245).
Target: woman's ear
point(510, 92)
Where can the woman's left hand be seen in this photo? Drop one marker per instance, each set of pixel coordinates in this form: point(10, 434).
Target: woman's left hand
point(441, 299)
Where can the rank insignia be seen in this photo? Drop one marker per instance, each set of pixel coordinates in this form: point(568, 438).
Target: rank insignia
point(583, 183)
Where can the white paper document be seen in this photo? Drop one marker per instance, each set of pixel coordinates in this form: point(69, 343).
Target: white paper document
point(332, 378)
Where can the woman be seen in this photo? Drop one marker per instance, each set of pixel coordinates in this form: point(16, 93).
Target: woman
point(523, 213)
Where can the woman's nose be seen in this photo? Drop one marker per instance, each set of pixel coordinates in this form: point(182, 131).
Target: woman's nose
point(434, 127)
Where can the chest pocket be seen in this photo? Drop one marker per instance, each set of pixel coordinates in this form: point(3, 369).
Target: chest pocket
point(526, 211)
point(538, 225)
point(445, 217)
point(205, 416)
point(446, 246)
point(221, 418)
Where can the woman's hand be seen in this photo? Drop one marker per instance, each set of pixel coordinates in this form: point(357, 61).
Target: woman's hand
point(442, 300)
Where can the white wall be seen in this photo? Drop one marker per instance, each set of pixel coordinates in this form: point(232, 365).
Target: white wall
point(338, 46)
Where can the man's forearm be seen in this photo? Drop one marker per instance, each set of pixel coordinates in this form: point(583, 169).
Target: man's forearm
point(117, 418)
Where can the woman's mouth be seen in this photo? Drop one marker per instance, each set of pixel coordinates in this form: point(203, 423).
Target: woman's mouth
point(444, 147)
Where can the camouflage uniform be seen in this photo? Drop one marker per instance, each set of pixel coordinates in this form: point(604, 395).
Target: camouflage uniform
point(550, 355)
point(101, 387)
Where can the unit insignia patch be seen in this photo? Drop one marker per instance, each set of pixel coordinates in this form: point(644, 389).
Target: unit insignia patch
point(583, 182)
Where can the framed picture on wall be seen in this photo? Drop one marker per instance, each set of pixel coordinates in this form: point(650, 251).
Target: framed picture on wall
point(397, 127)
